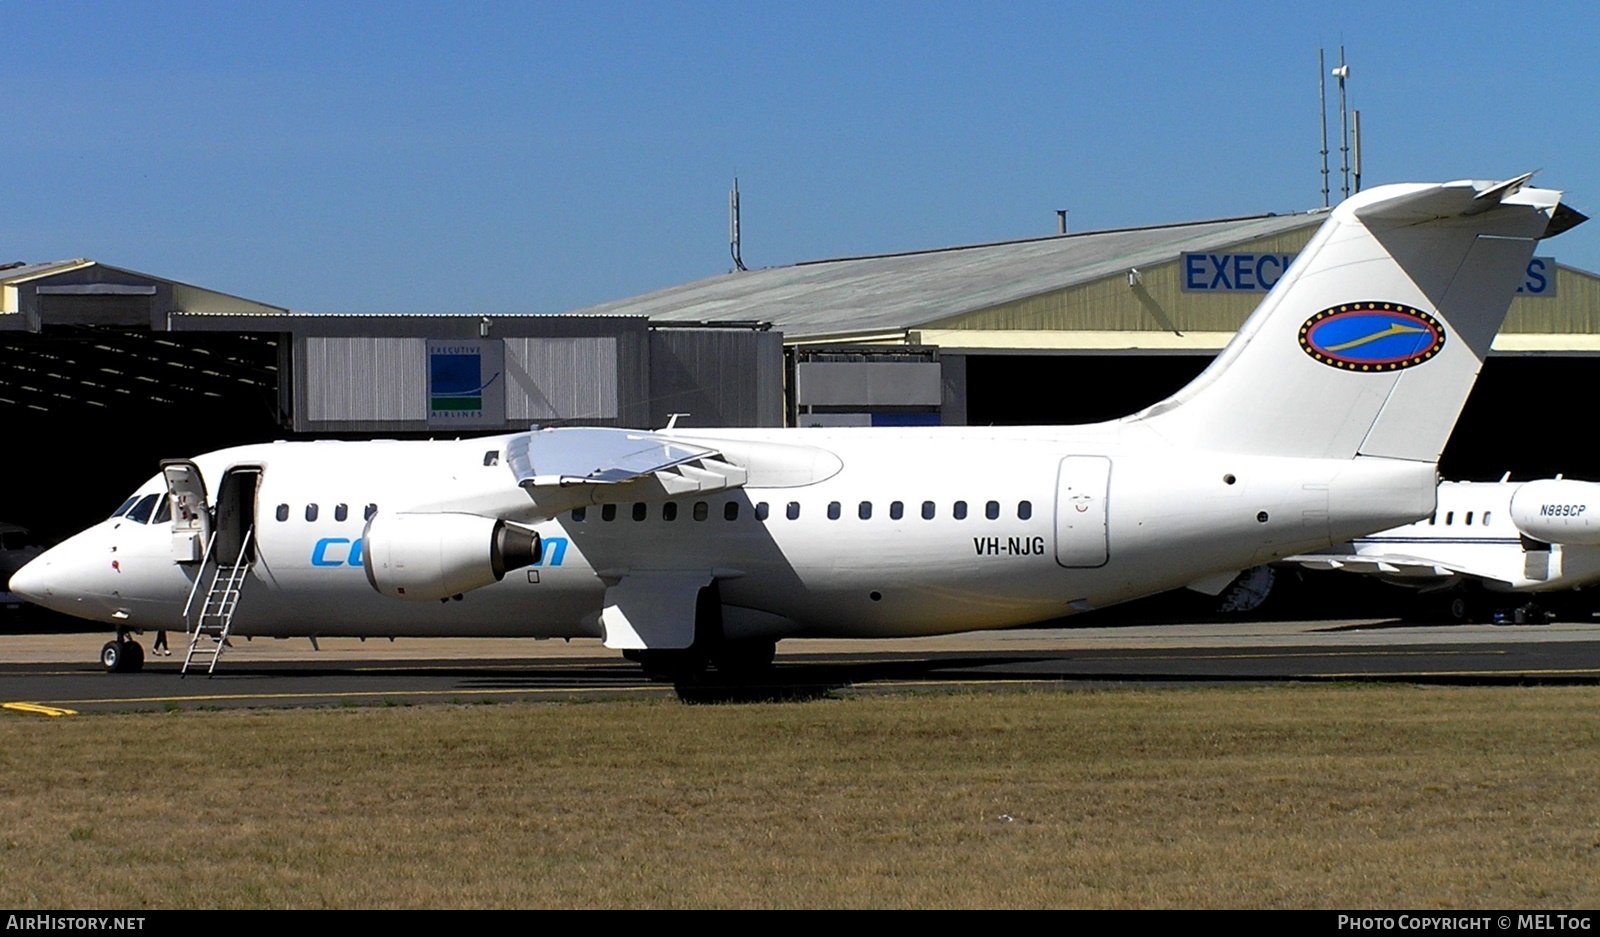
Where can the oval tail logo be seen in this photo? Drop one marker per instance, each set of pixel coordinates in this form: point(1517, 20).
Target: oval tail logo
point(1372, 336)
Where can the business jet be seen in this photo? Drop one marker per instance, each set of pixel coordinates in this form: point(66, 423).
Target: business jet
point(1487, 549)
point(1322, 420)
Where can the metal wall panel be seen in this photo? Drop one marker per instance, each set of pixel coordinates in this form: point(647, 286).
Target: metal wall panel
point(561, 379)
point(365, 379)
point(869, 383)
point(719, 377)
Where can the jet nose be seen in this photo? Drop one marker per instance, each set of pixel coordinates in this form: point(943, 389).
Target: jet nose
point(32, 581)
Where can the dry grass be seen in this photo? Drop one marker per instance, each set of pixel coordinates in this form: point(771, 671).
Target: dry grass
point(1277, 797)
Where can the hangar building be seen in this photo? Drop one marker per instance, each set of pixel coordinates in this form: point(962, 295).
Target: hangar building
point(1082, 327)
point(115, 369)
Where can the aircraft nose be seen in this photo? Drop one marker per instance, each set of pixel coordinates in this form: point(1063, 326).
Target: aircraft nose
point(33, 580)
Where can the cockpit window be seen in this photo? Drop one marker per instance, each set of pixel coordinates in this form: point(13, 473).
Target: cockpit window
point(141, 512)
point(164, 512)
point(125, 505)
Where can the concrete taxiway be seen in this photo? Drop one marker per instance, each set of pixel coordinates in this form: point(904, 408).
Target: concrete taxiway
point(60, 672)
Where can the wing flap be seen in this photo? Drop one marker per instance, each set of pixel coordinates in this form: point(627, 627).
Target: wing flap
point(567, 467)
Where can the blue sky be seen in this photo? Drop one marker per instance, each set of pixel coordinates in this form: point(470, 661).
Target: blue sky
point(487, 157)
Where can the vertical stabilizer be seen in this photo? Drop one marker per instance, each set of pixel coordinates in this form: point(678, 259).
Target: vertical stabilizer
point(1371, 341)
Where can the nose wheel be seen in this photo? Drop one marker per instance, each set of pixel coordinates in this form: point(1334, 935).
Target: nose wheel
point(122, 656)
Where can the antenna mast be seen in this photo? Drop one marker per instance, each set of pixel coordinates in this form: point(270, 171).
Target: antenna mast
point(1341, 73)
point(733, 225)
point(1322, 94)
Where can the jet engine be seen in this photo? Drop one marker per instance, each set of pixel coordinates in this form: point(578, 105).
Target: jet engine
point(1558, 510)
point(434, 556)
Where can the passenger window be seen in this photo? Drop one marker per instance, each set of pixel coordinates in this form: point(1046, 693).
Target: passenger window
point(608, 512)
point(865, 511)
point(640, 510)
point(792, 511)
point(928, 510)
point(164, 511)
point(1024, 510)
point(669, 511)
point(761, 510)
point(283, 512)
point(897, 510)
point(992, 510)
point(1433, 519)
point(1449, 518)
point(311, 512)
point(1469, 518)
point(369, 511)
point(578, 514)
point(141, 511)
point(701, 511)
point(341, 511)
point(730, 511)
point(1486, 518)
point(959, 511)
point(833, 510)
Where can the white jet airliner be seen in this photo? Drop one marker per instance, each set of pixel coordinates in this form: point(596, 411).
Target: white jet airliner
point(1321, 421)
point(1486, 548)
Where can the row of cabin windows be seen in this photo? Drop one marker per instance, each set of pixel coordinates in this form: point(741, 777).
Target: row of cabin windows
point(1450, 519)
point(157, 509)
point(340, 512)
point(730, 511)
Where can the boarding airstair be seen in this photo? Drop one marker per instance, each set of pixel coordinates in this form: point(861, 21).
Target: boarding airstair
point(208, 631)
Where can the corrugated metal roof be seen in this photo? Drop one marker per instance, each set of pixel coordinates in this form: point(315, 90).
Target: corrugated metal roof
point(22, 272)
point(900, 291)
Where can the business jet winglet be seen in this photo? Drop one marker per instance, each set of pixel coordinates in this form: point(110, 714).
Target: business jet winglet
point(1321, 421)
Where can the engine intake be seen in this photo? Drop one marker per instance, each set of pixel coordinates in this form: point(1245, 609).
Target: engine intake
point(422, 557)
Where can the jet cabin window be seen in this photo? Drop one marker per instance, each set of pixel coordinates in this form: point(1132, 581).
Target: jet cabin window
point(1024, 510)
point(960, 511)
point(282, 513)
point(341, 511)
point(311, 512)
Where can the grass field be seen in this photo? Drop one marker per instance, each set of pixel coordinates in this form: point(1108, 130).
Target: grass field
point(1284, 796)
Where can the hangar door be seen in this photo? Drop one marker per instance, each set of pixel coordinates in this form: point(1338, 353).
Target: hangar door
point(1081, 489)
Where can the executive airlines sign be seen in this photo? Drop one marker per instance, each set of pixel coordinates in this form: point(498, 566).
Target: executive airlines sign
point(1258, 273)
point(465, 385)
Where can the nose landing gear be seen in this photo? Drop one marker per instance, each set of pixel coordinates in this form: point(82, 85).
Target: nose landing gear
point(122, 655)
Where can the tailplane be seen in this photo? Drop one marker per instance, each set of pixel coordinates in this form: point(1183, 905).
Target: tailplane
point(1371, 341)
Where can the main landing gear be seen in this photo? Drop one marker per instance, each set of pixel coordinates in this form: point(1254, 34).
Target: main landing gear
point(122, 655)
point(733, 660)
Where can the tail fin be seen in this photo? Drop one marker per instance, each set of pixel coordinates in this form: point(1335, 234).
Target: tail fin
point(1371, 341)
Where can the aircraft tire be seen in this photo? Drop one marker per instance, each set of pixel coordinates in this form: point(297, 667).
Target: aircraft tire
point(744, 658)
point(670, 666)
point(122, 657)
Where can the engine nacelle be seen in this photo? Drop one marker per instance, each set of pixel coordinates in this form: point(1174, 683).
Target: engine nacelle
point(434, 556)
point(1558, 510)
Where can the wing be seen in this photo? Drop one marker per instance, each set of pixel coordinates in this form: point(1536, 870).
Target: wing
point(566, 467)
point(1400, 567)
